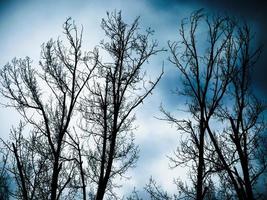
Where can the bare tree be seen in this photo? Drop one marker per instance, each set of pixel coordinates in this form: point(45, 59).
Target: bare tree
point(47, 100)
point(49, 163)
point(119, 87)
point(29, 169)
point(222, 73)
point(244, 115)
point(4, 177)
point(206, 75)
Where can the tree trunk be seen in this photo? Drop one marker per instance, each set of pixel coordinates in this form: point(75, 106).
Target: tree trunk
point(22, 178)
point(103, 183)
point(200, 167)
point(245, 170)
point(54, 184)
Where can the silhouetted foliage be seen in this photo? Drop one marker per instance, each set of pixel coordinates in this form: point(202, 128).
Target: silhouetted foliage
point(58, 158)
point(240, 140)
point(4, 179)
point(206, 75)
point(76, 135)
point(119, 86)
point(46, 99)
point(214, 77)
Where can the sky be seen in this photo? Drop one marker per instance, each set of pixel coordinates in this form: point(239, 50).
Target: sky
point(25, 25)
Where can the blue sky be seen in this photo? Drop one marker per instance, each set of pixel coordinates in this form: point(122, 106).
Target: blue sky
point(25, 25)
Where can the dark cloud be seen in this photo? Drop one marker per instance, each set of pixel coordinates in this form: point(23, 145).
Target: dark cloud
point(4, 6)
point(247, 8)
point(253, 11)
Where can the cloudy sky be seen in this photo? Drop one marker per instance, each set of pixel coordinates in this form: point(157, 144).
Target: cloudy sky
point(25, 25)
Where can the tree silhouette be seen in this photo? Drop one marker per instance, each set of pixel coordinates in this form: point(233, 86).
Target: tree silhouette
point(76, 136)
point(47, 100)
point(242, 136)
point(206, 76)
point(4, 178)
point(219, 76)
point(62, 159)
point(118, 88)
